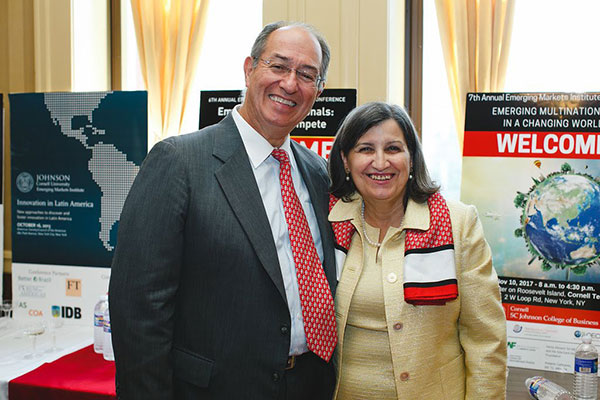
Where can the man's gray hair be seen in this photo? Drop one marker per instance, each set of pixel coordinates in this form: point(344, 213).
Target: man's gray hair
point(261, 41)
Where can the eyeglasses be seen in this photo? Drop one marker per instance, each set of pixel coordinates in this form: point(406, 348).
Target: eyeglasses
point(305, 76)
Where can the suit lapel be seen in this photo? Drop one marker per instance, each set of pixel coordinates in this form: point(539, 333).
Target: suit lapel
point(319, 200)
point(237, 181)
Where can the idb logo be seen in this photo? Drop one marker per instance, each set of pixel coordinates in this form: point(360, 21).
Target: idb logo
point(66, 312)
point(55, 311)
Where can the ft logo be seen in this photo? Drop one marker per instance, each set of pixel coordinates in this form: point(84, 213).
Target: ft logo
point(73, 287)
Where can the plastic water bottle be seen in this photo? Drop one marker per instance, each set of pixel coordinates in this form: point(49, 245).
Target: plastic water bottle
point(99, 309)
point(540, 388)
point(585, 378)
point(107, 348)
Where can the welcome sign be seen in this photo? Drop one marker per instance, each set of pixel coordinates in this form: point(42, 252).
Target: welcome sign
point(531, 165)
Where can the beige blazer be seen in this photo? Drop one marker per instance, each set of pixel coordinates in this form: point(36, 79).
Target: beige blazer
point(455, 351)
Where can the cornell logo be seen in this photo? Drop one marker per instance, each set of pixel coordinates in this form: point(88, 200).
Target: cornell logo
point(25, 182)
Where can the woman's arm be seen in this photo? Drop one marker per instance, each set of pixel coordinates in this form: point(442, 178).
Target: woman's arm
point(482, 322)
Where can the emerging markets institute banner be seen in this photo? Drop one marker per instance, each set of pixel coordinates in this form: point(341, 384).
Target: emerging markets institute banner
point(316, 131)
point(74, 157)
point(532, 167)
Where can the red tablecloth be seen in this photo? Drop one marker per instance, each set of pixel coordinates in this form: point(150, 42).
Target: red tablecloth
point(82, 375)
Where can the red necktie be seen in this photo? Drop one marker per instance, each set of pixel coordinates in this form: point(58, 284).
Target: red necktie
point(315, 296)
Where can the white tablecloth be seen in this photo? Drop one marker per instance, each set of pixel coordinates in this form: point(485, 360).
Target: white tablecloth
point(14, 345)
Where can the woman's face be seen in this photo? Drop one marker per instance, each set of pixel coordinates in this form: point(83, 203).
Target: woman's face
point(379, 163)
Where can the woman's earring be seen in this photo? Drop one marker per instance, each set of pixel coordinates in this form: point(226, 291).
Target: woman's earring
point(347, 176)
point(410, 176)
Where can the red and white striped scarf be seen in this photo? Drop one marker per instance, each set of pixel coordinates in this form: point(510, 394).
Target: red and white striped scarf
point(429, 268)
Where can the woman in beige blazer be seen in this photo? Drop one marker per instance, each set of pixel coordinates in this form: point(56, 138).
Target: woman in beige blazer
point(418, 306)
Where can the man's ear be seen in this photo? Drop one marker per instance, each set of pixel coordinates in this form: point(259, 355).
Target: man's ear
point(321, 90)
point(248, 68)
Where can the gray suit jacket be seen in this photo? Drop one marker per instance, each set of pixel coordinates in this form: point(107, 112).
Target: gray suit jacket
point(197, 301)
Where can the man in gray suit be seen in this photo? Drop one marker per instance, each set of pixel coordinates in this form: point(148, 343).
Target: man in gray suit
point(204, 297)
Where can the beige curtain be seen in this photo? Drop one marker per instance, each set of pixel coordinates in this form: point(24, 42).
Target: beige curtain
point(169, 37)
point(475, 38)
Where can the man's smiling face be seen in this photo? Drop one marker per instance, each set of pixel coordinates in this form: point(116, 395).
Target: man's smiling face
point(276, 103)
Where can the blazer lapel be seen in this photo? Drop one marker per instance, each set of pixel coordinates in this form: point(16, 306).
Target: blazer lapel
point(320, 202)
point(237, 181)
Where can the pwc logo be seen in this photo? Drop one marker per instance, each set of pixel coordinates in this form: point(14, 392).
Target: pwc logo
point(66, 312)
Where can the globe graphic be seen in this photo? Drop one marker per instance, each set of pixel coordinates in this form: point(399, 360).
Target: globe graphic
point(562, 219)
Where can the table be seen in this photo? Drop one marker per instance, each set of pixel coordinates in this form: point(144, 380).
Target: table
point(82, 375)
point(86, 375)
point(516, 389)
point(90, 370)
point(14, 345)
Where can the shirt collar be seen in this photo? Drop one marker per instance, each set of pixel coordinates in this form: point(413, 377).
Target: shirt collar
point(416, 215)
point(257, 147)
point(343, 211)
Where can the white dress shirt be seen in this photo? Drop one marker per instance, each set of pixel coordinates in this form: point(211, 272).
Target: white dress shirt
point(266, 172)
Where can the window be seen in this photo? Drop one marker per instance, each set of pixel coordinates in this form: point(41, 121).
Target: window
point(553, 47)
point(227, 41)
point(89, 33)
point(440, 142)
